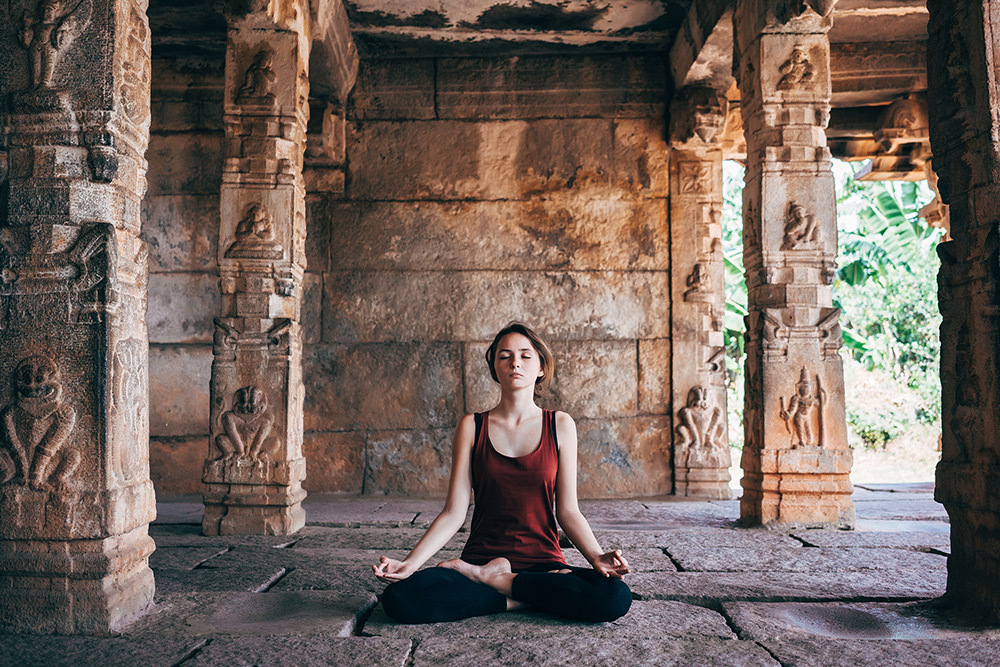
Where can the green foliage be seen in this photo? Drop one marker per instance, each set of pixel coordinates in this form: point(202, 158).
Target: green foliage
point(886, 288)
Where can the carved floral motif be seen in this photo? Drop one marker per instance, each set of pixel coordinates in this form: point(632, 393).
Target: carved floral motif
point(696, 178)
point(36, 427)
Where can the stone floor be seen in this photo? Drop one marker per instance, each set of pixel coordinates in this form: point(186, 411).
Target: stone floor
point(706, 593)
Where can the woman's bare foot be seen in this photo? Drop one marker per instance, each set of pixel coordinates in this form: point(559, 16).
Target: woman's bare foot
point(496, 574)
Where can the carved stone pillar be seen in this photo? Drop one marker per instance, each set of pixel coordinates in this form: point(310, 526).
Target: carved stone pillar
point(796, 460)
point(254, 471)
point(75, 495)
point(964, 105)
point(701, 441)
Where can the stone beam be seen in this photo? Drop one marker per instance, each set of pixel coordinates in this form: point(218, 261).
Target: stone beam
point(964, 80)
point(333, 64)
point(698, 374)
point(702, 50)
point(796, 460)
point(876, 72)
point(75, 494)
point(254, 471)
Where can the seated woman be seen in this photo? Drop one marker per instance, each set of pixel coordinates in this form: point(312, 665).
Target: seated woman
point(520, 460)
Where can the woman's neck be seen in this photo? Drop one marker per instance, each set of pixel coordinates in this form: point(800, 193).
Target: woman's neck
point(517, 406)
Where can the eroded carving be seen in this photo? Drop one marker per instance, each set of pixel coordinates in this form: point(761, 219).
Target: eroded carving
point(796, 8)
point(809, 398)
point(700, 428)
point(798, 71)
point(247, 426)
point(47, 33)
point(698, 111)
point(255, 236)
point(134, 88)
point(801, 230)
point(258, 79)
point(699, 284)
point(36, 427)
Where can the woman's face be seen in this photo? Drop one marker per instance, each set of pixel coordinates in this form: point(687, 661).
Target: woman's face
point(517, 363)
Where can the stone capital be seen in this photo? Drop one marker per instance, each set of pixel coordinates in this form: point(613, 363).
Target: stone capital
point(697, 117)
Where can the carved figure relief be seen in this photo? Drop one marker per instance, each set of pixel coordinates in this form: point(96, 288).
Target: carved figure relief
point(255, 236)
point(258, 79)
point(809, 397)
point(36, 429)
point(800, 229)
point(134, 89)
point(700, 429)
point(47, 34)
point(130, 389)
point(247, 426)
point(797, 71)
point(699, 284)
point(696, 178)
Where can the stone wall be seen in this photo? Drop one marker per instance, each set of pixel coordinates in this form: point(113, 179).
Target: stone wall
point(478, 191)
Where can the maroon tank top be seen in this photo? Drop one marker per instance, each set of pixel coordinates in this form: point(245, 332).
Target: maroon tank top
point(514, 497)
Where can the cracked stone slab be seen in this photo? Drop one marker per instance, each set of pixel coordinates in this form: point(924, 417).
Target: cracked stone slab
point(187, 535)
point(347, 512)
point(848, 559)
point(182, 558)
point(302, 651)
point(368, 537)
point(710, 587)
point(270, 613)
point(592, 652)
point(841, 620)
point(215, 579)
point(639, 559)
point(912, 509)
point(921, 540)
point(662, 619)
point(695, 537)
point(898, 487)
point(895, 652)
point(155, 651)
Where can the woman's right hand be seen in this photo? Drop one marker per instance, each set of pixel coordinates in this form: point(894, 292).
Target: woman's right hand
point(390, 569)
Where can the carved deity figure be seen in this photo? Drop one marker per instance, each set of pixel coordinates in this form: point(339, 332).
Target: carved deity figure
point(247, 426)
point(797, 70)
point(259, 77)
point(698, 282)
point(255, 236)
point(36, 428)
point(807, 397)
point(800, 228)
point(56, 24)
point(700, 425)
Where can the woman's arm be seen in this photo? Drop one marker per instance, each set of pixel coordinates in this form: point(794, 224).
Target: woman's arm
point(568, 513)
point(451, 518)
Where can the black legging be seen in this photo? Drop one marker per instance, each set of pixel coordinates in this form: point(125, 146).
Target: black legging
point(439, 594)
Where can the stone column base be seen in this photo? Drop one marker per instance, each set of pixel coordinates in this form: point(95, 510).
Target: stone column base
point(94, 587)
point(782, 494)
point(257, 510)
point(709, 483)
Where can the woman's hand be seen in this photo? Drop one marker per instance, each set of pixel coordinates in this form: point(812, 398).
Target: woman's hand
point(390, 569)
point(612, 564)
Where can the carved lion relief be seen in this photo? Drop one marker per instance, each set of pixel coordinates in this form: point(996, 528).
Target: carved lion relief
point(246, 427)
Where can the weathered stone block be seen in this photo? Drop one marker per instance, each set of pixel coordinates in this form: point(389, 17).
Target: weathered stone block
point(387, 386)
point(411, 463)
point(583, 228)
point(619, 86)
point(182, 307)
point(624, 457)
point(189, 163)
point(388, 306)
point(396, 88)
point(654, 376)
point(335, 462)
point(182, 232)
point(179, 390)
point(311, 308)
point(175, 465)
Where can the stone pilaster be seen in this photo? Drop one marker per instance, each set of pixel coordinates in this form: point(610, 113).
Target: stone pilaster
point(75, 494)
point(796, 460)
point(964, 94)
point(254, 471)
point(701, 441)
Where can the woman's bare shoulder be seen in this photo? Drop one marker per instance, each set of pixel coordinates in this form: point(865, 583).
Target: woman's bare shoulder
point(563, 420)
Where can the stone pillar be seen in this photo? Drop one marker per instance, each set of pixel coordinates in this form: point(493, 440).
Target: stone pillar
point(796, 460)
point(75, 494)
point(254, 471)
point(698, 298)
point(964, 95)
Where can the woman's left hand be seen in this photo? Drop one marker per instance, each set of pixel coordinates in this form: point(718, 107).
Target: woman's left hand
point(612, 564)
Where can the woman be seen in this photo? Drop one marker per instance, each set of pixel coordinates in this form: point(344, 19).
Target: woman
point(520, 460)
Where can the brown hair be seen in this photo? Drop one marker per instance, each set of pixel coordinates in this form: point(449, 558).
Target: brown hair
point(548, 363)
